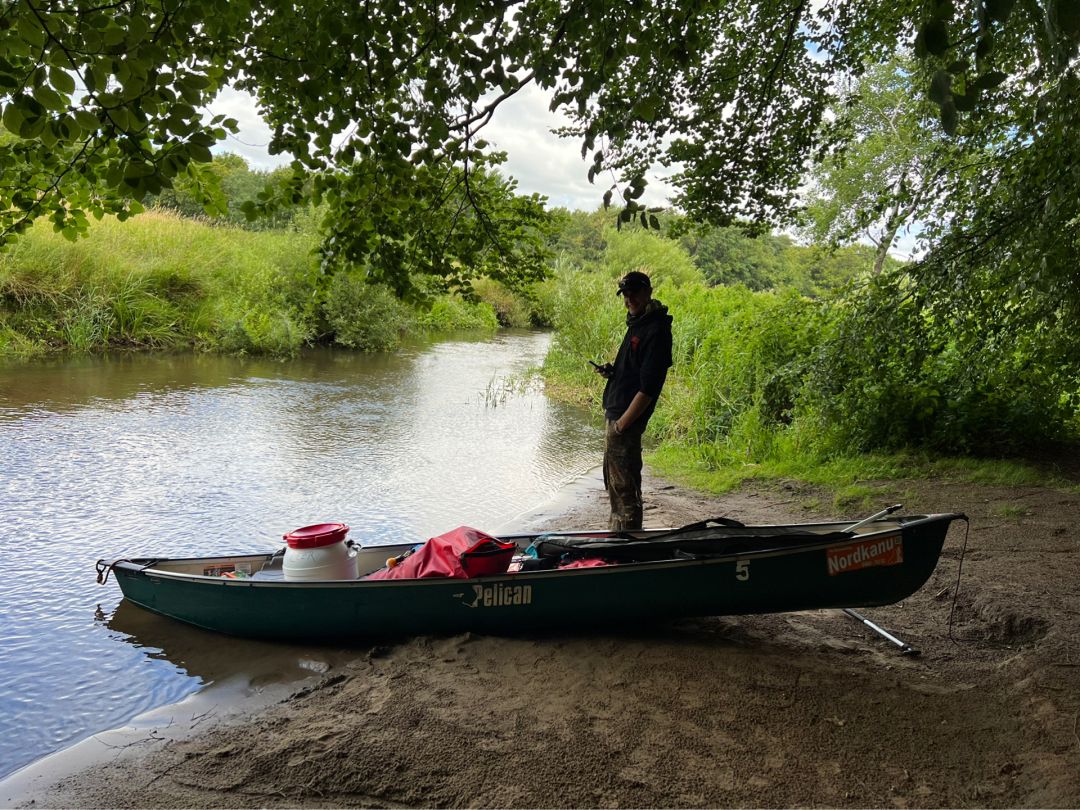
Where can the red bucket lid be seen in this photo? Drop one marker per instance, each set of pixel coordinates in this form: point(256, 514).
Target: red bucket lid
point(321, 534)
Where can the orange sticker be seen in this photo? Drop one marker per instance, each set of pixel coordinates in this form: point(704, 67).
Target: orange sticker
point(865, 554)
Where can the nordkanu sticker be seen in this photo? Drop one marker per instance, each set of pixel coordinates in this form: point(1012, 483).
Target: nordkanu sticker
point(882, 551)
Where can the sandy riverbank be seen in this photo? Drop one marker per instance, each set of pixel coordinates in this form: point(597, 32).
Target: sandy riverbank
point(805, 708)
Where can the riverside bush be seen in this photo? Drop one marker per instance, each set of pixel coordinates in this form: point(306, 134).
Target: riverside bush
point(450, 313)
point(365, 316)
point(781, 382)
point(510, 310)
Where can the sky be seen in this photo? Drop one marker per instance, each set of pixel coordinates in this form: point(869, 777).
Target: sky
point(540, 161)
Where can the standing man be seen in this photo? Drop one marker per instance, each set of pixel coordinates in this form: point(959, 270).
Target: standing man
point(633, 386)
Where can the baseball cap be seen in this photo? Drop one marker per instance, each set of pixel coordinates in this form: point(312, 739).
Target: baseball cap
point(633, 281)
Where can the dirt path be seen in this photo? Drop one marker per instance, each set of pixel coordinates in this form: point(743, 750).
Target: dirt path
point(797, 709)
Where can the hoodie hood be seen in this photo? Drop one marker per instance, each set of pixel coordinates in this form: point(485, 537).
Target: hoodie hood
point(654, 309)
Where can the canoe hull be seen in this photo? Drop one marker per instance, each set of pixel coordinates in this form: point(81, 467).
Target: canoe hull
point(875, 569)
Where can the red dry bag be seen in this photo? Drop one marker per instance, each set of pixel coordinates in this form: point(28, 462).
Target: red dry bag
point(459, 554)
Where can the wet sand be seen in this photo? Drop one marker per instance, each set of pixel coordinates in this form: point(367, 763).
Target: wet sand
point(794, 709)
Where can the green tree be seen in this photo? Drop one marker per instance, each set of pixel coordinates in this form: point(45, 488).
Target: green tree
point(238, 185)
point(885, 177)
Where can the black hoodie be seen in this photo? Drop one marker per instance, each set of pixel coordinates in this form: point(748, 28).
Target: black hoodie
point(641, 364)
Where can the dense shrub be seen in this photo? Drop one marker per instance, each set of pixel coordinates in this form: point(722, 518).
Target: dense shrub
point(772, 375)
point(450, 313)
point(163, 281)
point(158, 281)
point(510, 309)
point(365, 316)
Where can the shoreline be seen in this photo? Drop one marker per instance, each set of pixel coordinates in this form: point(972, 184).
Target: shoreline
point(237, 695)
point(774, 710)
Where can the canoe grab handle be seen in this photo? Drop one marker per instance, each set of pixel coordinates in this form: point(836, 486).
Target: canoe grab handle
point(103, 570)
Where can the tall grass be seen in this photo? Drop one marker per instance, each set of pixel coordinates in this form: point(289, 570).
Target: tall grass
point(160, 281)
point(157, 281)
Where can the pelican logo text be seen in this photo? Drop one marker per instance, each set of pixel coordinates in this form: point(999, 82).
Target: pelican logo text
point(500, 595)
point(882, 551)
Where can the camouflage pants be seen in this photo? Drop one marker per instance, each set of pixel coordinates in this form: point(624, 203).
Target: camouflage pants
point(622, 477)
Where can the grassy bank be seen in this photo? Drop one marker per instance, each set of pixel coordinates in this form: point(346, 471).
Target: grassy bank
point(836, 390)
point(159, 281)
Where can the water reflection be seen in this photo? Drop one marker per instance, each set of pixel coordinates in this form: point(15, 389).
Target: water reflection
point(188, 455)
point(210, 657)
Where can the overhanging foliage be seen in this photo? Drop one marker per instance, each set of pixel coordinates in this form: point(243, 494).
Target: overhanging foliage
point(104, 101)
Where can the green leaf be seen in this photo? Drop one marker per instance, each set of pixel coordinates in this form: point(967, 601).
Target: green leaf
point(940, 86)
point(13, 118)
point(49, 98)
point(194, 81)
point(62, 81)
point(47, 136)
point(949, 118)
point(113, 35)
point(935, 35)
point(114, 175)
point(138, 168)
point(990, 80)
point(30, 30)
point(966, 103)
point(999, 10)
point(985, 46)
point(645, 110)
point(87, 121)
point(199, 153)
point(654, 222)
point(919, 47)
point(607, 199)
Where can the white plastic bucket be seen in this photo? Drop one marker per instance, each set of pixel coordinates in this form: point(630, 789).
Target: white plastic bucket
point(318, 552)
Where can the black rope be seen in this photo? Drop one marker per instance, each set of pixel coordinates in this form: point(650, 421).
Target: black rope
point(956, 587)
point(104, 569)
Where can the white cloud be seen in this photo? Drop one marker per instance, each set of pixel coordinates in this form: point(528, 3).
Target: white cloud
point(254, 136)
point(544, 163)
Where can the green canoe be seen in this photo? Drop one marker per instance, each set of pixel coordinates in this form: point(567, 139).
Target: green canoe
point(699, 570)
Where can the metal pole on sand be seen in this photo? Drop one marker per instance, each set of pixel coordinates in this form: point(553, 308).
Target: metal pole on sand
point(905, 648)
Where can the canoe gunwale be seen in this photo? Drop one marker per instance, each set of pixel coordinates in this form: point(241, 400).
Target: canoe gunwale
point(144, 566)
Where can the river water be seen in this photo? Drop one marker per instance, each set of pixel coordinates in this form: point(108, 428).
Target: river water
point(191, 455)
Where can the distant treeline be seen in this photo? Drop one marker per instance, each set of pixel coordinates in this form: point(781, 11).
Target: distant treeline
point(725, 256)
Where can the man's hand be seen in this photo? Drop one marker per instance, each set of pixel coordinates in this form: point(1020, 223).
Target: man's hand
point(606, 371)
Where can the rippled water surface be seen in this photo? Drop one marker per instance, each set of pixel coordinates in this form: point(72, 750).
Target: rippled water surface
point(200, 455)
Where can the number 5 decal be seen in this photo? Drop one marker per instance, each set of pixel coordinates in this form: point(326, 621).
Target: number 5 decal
point(742, 570)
